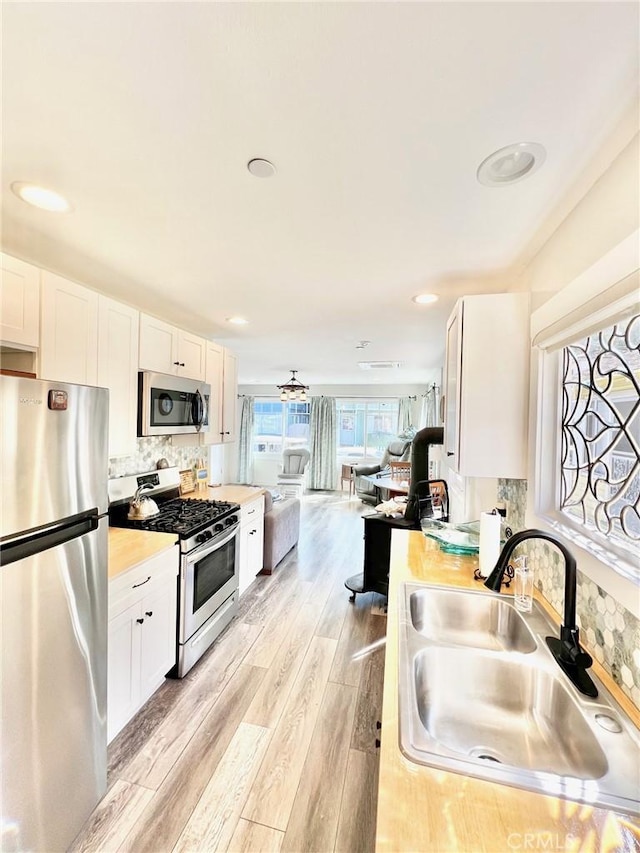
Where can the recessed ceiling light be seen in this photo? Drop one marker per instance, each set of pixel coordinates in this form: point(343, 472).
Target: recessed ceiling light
point(260, 168)
point(511, 164)
point(41, 197)
point(237, 321)
point(425, 298)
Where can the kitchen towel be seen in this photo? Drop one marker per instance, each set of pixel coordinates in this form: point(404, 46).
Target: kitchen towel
point(489, 541)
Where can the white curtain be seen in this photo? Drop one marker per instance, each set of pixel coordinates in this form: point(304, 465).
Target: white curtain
point(323, 465)
point(245, 442)
point(404, 414)
point(430, 414)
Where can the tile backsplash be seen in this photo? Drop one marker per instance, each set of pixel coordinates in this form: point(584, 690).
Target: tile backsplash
point(608, 630)
point(149, 450)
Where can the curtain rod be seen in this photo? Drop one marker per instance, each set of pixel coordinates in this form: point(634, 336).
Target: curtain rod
point(335, 396)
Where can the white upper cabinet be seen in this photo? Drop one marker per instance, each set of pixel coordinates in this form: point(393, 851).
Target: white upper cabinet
point(230, 396)
point(192, 355)
point(213, 377)
point(68, 331)
point(19, 303)
point(222, 376)
point(158, 345)
point(486, 386)
point(118, 371)
point(167, 349)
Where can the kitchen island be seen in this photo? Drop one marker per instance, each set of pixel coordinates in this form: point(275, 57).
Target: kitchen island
point(425, 809)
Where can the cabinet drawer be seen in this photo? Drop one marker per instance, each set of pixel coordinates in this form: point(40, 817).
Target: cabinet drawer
point(252, 512)
point(131, 586)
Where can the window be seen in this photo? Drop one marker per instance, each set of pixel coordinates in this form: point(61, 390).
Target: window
point(278, 426)
point(365, 427)
point(600, 455)
point(585, 479)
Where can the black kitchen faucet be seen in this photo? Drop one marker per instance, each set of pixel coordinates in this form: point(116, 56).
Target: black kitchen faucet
point(570, 656)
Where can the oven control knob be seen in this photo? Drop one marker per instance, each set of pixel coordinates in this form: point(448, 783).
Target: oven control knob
point(218, 528)
point(231, 520)
point(208, 534)
point(200, 538)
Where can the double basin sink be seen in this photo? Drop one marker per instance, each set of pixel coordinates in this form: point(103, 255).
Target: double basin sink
point(481, 695)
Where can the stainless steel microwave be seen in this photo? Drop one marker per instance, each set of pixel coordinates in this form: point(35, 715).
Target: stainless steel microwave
point(172, 405)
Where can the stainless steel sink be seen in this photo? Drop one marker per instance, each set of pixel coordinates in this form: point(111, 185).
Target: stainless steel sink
point(480, 694)
point(522, 716)
point(482, 622)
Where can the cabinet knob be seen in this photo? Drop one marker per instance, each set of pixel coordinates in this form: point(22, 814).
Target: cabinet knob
point(139, 621)
point(148, 613)
point(177, 363)
point(450, 452)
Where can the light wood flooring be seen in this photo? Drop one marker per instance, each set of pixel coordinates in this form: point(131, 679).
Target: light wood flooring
point(268, 744)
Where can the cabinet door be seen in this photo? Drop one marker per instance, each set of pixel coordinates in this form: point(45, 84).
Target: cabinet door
point(251, 541)
point(158, 636)
point(158, 346)
point(19, 303)
point(123, 668)
point(244, 567)
point(452, 388)
point(69, 331)
point(487, 384)
point(192, 356)
point(230, 396)
point(118, 371)
point(213, 377)
point(256, 547)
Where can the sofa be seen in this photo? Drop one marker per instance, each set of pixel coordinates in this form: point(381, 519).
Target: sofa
point(281, 529)
point(398, 450)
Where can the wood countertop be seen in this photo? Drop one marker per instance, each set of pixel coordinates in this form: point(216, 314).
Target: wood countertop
point(231, 493)
point(425, 809)
point(128, 548)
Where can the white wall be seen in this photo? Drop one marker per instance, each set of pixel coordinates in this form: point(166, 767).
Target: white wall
point(607, 214)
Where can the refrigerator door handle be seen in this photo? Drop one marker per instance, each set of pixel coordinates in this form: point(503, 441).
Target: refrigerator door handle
point(50, 537)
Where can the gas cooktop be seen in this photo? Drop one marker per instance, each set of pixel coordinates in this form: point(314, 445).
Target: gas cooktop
point(181, 516)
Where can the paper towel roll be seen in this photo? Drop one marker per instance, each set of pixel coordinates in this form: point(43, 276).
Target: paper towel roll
point(489, 542)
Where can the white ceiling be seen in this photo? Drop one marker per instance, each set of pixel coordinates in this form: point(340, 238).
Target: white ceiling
point(376, 116)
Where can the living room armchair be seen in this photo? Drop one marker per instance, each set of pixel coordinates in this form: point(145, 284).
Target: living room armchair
point(398, 450)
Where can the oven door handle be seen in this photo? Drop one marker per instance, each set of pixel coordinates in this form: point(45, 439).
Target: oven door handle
point(198, 554)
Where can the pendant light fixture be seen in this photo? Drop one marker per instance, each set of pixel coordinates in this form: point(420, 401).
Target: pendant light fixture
point(293, 389)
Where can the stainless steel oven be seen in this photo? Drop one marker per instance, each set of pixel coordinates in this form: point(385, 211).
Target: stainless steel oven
point(208, 592)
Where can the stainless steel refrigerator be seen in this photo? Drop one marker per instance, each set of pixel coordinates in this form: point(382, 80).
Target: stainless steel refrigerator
point(53, 587)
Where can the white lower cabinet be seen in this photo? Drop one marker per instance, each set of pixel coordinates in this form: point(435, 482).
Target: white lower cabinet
point(251, 542)
point(142, 635)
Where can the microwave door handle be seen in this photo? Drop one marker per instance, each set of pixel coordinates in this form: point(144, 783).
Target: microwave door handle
point(205, 411)
point(197, 407)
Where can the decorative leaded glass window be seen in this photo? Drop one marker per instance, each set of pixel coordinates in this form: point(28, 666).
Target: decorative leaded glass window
point(600, 451)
